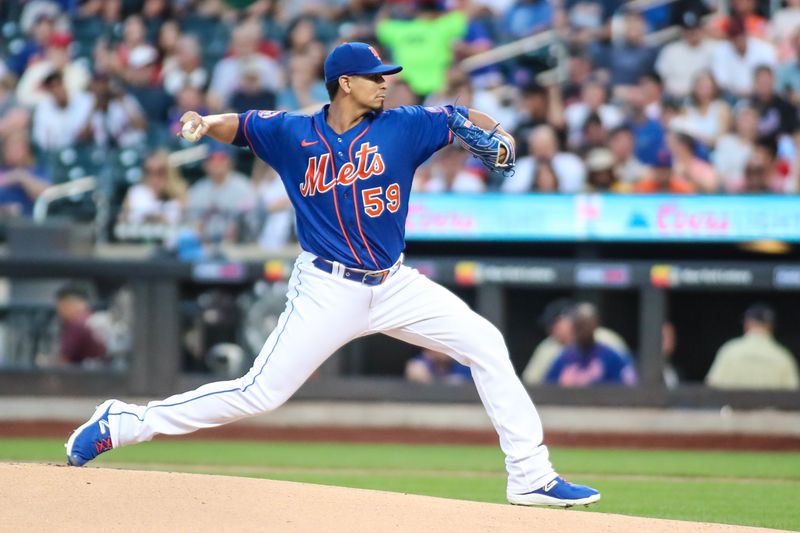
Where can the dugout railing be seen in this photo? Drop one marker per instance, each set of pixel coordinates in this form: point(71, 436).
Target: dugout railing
point(154, 368)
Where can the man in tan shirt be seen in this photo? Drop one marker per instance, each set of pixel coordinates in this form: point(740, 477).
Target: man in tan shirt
point(755, 360)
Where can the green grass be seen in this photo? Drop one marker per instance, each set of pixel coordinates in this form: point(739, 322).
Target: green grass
point(746, 488)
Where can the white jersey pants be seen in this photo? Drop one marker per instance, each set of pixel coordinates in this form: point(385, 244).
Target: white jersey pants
point(324, 312)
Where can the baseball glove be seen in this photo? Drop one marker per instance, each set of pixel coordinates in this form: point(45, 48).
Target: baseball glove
point(485, 145)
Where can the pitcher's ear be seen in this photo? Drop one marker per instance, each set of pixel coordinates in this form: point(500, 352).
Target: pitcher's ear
point(344, 84)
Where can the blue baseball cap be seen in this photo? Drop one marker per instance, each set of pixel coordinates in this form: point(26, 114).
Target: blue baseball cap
point(355, 58)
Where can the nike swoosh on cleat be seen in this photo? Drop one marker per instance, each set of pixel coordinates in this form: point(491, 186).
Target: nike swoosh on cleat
point(104, 427)
point(550, 485)
point(305, 143)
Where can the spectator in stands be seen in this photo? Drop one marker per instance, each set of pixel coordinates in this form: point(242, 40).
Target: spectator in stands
point(423, 44)
point(588, 362)
point(60, 117)
point(302, 42)
point(593, 100)
point(594, 135)
point(648, 133)
point(707, 116)
point(164, 34)
point(305, 88)
point(668, 341)
point(159, 198)
point(782, 30)
point(631, 58)
point(13, 117)
point(185, 66)
point(687, 166)
point(459, 87)
point(399, 93)
point(155, 15)
point(651, 93)
point(736, 59)
point(733, 150)
point(600, 172)
point(37, 37)
point(756, 180)
point(361, 16)
point(116, 39)
point(77, 342)
point(479, 38)
point(579, 73)
point(251, 93)
point(746, 11)
point(21, 183)
point(144, 85)
point(435, 367)
point(662, 179)
point(104, 22)
point(277, 228)
point(30, 88)
point(589, 21)
point(538, 105)
point(244, 47)
point(679, 62)
point(450, 173)
point(765, 158)
point(788, 74)
point(546, 169)
point(628, 169)
point(116, 120)
point(776, 115)
point(556, 321)
point(134, 35)
point(110, 11)
point(188, 99)
point(526, 17)
point(218, 203)
point(167, 40)
point(755, 360)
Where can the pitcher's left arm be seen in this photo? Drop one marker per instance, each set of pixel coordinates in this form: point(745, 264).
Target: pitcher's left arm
point(482, 136)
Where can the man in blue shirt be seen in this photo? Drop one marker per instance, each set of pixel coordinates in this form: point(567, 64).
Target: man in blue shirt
point(20, 183)
point(588, 362)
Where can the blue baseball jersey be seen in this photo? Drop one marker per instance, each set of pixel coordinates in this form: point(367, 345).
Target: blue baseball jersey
point(350, 191)
point(599, 366)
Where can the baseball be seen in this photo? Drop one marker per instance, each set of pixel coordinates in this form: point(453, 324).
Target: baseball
point(188, 132)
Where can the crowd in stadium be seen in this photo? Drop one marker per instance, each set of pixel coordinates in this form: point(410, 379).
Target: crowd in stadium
point(96, 87)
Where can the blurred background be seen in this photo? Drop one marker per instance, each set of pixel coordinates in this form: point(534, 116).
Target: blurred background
point(645, 252)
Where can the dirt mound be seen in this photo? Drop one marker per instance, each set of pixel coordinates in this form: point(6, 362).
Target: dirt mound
point(39, 497)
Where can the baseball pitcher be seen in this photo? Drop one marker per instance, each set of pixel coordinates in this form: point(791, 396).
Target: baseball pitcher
point(348, 170)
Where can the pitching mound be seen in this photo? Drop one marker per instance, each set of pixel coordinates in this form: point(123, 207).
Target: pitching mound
point(49, 498)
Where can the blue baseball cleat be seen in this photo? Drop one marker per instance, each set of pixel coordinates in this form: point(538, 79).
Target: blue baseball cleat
point(92, 438)
point(556, 493)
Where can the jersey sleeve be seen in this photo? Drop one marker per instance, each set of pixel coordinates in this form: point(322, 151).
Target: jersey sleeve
point(260, 131)
point(429, 124)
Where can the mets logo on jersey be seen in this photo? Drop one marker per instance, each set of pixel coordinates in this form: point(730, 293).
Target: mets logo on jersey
point(368, 163)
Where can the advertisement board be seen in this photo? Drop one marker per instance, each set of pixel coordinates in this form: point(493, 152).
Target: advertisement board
point(602, 217)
